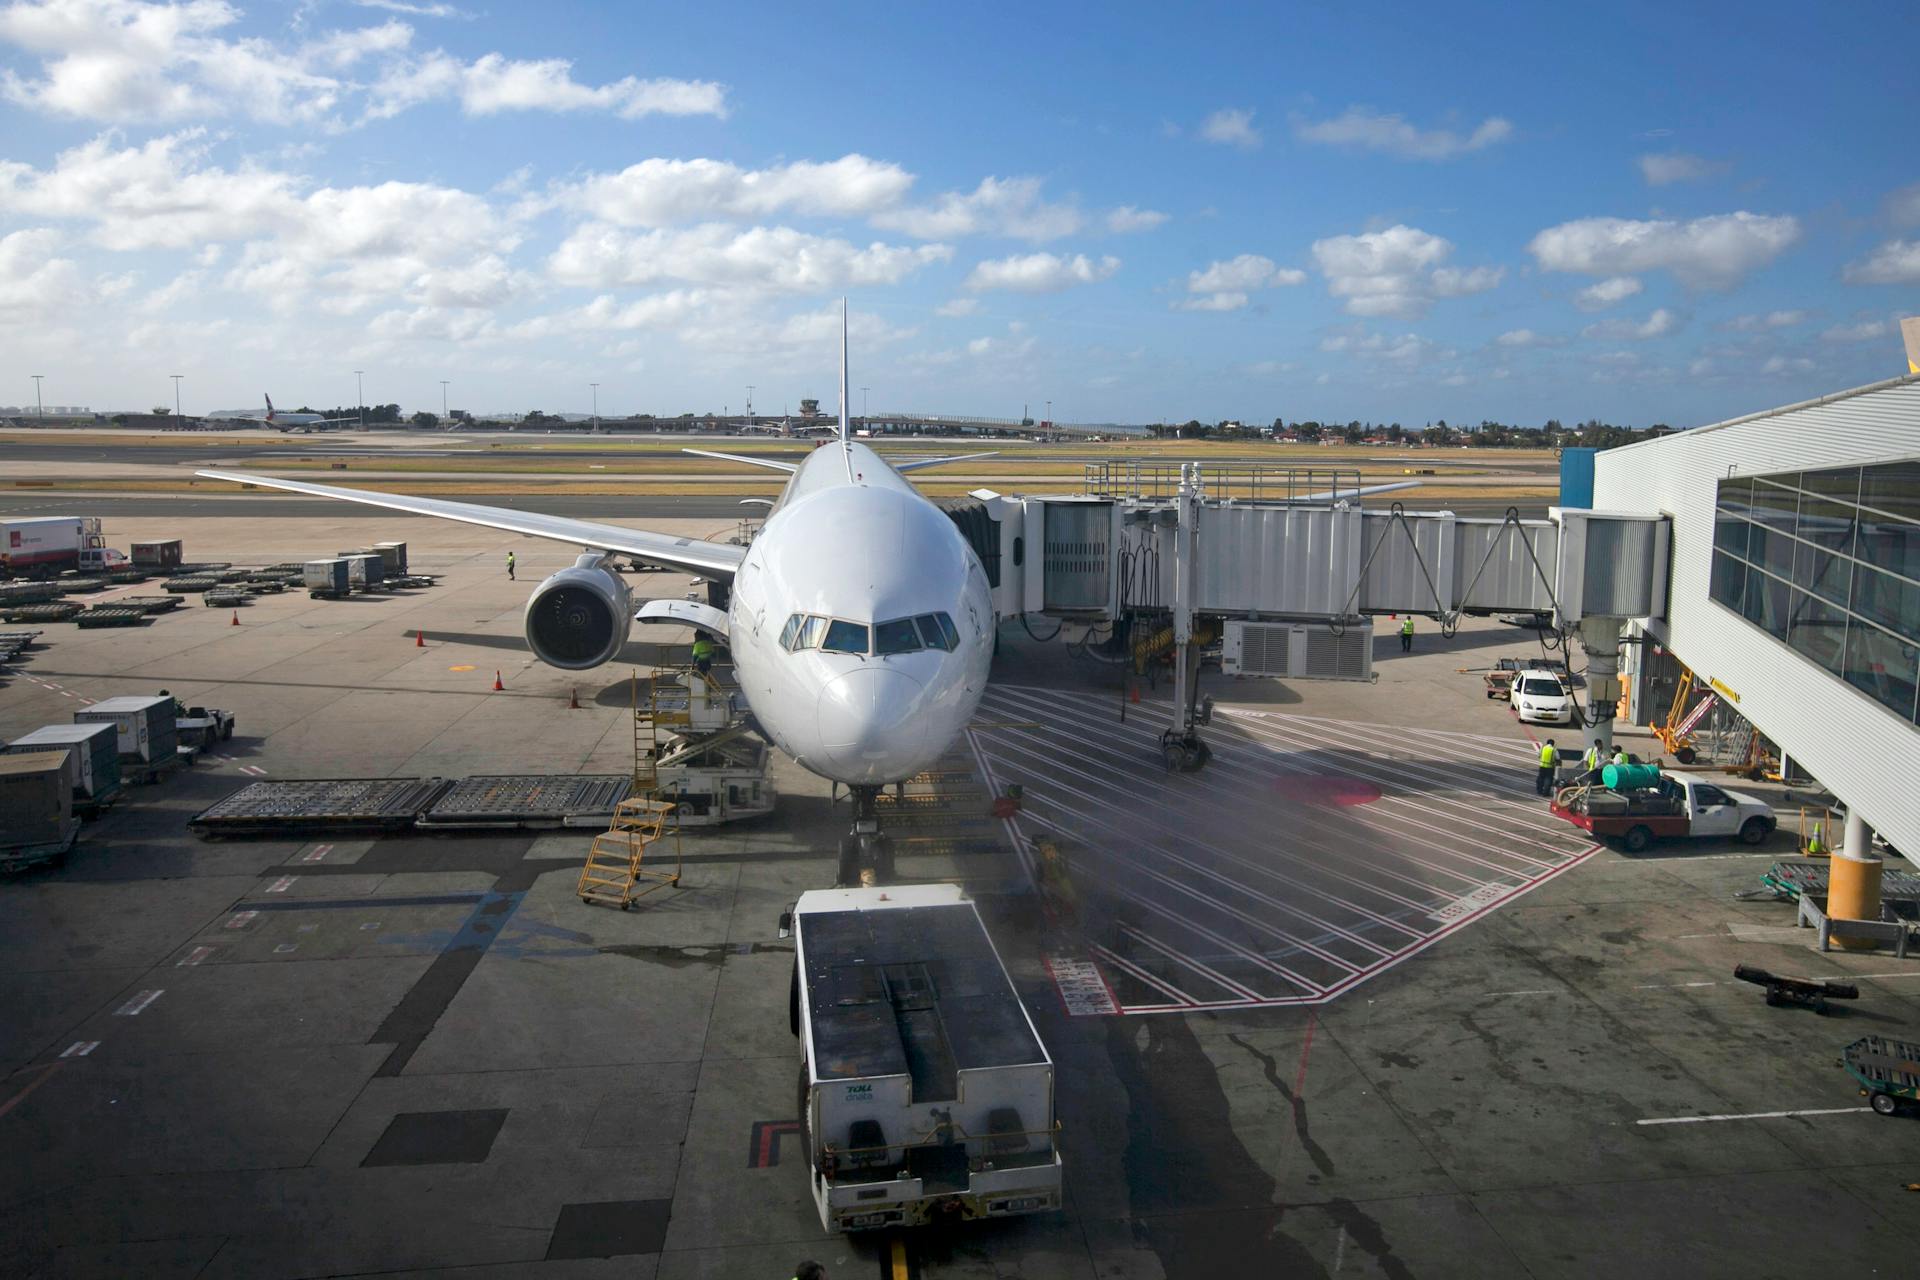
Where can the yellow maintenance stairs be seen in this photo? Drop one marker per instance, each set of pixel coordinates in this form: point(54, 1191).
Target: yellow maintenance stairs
point(617, 872)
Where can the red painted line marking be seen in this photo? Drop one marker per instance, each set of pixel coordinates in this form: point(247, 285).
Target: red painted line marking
point(318, 852)
point(139, 1004)
point(193, 957)
point(1300, 1076)
point(80, 1048)
point(281, 885)
point(39, 1080)
point(241, 919)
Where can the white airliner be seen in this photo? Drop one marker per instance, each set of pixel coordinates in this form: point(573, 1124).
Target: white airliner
point(292, 421)
point(860, 619)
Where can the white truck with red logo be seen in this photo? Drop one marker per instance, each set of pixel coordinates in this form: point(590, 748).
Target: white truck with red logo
point(925, 1093)
point(44, 546)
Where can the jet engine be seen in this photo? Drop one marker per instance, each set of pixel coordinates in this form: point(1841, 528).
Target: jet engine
point(579, 617)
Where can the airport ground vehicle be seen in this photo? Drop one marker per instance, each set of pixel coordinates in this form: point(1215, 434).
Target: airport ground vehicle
point(925, 1093)
point(1638, 804)
point(41, 546)
point(203, 726)
point(1539, 697)
point(1888, 1071)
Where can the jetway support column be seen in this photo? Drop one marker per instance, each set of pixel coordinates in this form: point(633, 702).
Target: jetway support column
point(1600, 637)
point(1181, 746)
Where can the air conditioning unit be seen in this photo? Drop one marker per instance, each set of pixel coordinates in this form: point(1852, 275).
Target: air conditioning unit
point(1298, 650)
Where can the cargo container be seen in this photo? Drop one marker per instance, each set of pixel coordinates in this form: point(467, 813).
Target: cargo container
point(36, 803)
point(327, 578)
point(394, 556)
point(161, 553)
point(926, 1095)
point(94, 750)
point(40, 546)
point(146, 726)
point(365, 569)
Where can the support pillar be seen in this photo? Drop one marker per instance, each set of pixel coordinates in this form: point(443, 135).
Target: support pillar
point(1600, 637)
point(1853, 880)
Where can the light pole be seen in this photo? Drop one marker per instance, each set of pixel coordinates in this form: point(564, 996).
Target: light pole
point(596, 404)
point(749, 401)
point(176, 394)
point(39, 404)
point(443, 402)
point(863, 401)
point(1049, 432)
point(360, 397)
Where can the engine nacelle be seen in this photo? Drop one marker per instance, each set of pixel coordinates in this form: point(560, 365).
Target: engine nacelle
point(579, 618)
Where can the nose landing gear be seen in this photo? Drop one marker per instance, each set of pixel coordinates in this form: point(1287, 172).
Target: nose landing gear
point(866, 855)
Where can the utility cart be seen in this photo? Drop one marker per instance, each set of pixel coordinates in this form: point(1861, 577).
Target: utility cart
point(1888, 1071)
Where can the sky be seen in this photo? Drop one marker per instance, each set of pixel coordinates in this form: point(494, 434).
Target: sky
point(1640, 213)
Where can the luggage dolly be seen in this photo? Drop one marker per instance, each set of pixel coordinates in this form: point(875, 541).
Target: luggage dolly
point(1781, 989)
point(1888, 1071)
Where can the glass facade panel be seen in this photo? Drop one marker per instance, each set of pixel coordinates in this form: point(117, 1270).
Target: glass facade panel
point(1829, 562)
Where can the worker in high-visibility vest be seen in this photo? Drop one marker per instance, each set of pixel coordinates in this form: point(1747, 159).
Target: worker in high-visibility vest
point(1549, 768)
point(1591, 761)
point(1620, 756)
point(1406, 635)
point(702, 654)
point(509, 566)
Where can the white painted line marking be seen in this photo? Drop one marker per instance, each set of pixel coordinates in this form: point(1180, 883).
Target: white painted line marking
point(193, 957)
point(318, 852)
point(241, 919)
point(285, 947)
point(80, 1048)
point(134, 1007)
point(65, 694)
point(1759, 1115)
point(1667, 986)
point(281, 885)
point(253, 769)
point(1537, 991)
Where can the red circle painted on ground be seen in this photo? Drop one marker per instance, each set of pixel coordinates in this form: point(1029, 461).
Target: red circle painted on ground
point(1326, 788)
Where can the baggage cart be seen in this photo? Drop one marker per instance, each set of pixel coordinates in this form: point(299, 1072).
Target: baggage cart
point(1888, 1071)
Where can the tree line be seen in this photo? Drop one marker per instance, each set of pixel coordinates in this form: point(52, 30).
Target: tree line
point(1487, 434)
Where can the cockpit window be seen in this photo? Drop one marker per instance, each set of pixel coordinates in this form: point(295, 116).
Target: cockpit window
point(931, 634)
point(811, 634)
point(897, 636)
point(791, 630)
point(844, 637)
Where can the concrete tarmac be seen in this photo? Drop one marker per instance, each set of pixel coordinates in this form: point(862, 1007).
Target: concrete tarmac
point(423, 1056)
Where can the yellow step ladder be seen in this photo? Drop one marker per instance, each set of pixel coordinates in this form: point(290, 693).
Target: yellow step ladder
point(616, 869)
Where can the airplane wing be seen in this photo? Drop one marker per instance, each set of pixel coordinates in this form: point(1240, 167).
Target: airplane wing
point(693, 555)
point(915, 464)
point(769, 463)
point(1342, 495)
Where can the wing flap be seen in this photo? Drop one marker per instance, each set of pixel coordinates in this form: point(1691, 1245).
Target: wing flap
point(694, 555)
point(769, 463)
point(915, 464)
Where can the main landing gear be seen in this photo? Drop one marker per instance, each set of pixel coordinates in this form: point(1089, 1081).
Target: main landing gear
point(866, 855)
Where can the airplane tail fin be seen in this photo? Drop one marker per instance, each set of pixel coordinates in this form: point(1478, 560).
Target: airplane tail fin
point(1910, 330)
point(846, 426)
point(269, 400)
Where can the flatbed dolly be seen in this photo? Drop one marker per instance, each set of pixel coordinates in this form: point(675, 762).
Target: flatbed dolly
point(1888, 1071)
point(1781, 989)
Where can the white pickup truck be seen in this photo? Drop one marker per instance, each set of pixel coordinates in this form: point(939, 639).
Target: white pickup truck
point(1671, 805)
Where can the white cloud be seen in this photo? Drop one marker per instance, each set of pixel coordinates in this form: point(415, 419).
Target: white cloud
point(1396, 272)
point(34, 284)
point(1765, 321)
point(144, 63)
point(1127, 219)
point(415, 10)
point(1378, 131)
point(1040, 272)
point(1865, 331)
point(1661, 168)
point(1009, 207)
point(715, 254)
point(1712, 253)
point(1657, 325)
point(1231, 126)
point(1895, 262)
point(659, 192)
point(958, 307)
point(1614, 289)
point(1787, 364)
point(1224, 285)
point(1527, 338)
point(1408, 348)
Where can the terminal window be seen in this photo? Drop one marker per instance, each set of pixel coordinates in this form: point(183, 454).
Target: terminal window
point(1828, 562)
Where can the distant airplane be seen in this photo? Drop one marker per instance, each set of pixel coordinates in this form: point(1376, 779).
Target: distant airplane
point(293, 422)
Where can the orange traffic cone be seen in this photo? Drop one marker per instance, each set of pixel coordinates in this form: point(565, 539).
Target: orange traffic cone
point(497, 686)
point(236, 619)
point(1133, 693)
point(419, 639)
point(573, 699)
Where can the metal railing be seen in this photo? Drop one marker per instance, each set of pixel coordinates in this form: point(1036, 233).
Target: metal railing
point(1241, 482)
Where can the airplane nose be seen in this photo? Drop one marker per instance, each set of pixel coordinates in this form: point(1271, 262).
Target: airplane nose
point(869, 724)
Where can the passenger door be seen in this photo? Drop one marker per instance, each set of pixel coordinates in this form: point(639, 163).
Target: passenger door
point(1714, 812)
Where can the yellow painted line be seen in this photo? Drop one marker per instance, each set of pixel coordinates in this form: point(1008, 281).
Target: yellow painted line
point(899, 1259)
point(1723, 689)
point(463, 667)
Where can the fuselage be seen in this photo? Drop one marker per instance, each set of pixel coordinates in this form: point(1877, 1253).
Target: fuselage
point(861, 622)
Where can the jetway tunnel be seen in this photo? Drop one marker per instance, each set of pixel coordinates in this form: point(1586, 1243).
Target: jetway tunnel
point(1293, 586)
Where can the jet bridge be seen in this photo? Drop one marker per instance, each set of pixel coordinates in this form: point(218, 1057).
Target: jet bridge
point(1289, 569)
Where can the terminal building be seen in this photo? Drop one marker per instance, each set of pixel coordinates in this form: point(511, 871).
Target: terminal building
point(1794, 588)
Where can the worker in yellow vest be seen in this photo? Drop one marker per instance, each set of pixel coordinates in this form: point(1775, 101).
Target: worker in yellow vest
point(1591, 761)
point(702, 654)
point(1406, 635)
point(1549, 769)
